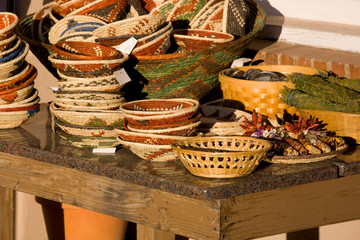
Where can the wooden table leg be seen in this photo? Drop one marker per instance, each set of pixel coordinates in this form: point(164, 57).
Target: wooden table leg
point(7, 213)
point(149, 233)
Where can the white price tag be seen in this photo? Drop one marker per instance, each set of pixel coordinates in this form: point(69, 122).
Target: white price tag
point(127, 46)
point(54, 88)
point(121, 76)
point(104, 150)
point(240, 62)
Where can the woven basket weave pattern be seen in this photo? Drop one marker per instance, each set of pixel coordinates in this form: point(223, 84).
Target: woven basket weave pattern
point(221, 157)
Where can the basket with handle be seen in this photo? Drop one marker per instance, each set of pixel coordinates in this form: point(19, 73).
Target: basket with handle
point(260, 95)
point(190, 75)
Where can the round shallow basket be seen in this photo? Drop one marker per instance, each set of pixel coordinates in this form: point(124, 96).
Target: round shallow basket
point(72, 24)
point(185, 130)
point(96, 118)
point(262, 96)
point(17, 95)
point(88, 104)
point(158, 117)
point(16, 118)
point(147, 138)
point(13, 51)
point(190, 75)
point(89, 142)
point(153, 107)
point(32, 98)
point(7, 43)
point(150, 152)
point(89, 95)
point(8, 21)
point(156, 43)
point(10, 68)
point(343, 124)
point(11, 83)
point(106, 83)
point(80, 50)
point(145, 24)
point(221, 157)
point(84, 68)
point(195, 39)
point(106, 10)
point(86, 131)
point(180, 123)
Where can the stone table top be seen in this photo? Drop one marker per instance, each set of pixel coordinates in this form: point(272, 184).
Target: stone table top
point(36, 140)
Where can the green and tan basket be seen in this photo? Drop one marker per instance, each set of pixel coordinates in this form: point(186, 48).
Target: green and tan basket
point(190, 75)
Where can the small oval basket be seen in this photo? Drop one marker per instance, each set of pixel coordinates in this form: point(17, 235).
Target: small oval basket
point(221, 157)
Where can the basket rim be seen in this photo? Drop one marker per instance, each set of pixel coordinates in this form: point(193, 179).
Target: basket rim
point(178, 146)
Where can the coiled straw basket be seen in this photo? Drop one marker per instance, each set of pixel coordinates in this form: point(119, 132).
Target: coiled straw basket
point(188, 75)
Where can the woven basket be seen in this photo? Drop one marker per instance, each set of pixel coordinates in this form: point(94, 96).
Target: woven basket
point(65, 8)
point(221, 157)
point(148, 138)
point(8, 21)
point(84, 50)
point(7, 43)
point(15, 119)
point(12, 67)
point(106, 10)
point(196, 39)
point(190, 75)
point(260, 95)
point(208, 10)
point(145, 24)
point(89, 142)
point(150, 152)
point(88, 68)
point(29, 80)
point(235, 16)
point(38, 18)
point(17, 95)
point(185, 11)
point(112, 118)
point(67, 26)
point(86, 131)
point(343, 124)
point(17, 82)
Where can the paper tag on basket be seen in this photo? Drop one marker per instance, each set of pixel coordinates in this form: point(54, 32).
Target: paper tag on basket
point(104, 150)
point(54, 88)
point(121, 76)
point(127, 46)
point(240, 62)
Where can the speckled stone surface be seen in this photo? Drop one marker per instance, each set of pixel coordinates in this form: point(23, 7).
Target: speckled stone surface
point(36, 140)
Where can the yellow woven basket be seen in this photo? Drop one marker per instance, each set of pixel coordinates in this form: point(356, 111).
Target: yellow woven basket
point(221, 157)
point(343, 124)
point(260, 95)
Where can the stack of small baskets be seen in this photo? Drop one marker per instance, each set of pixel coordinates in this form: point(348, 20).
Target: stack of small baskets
point(152, 125)
point(157, 67)
point(86, 105)
point(18, 97)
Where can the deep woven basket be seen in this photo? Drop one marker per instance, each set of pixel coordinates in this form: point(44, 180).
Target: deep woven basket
point(221, 157)
point(190, 75)
point(262, 96)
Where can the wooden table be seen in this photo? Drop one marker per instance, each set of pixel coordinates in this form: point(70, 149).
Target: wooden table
point(165, 199)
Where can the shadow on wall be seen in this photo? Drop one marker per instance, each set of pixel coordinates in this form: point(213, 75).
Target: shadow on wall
point(274, 23)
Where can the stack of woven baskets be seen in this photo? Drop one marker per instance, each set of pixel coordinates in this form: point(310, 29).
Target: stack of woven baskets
point(86, 105)
point(158, 65)
point(151, 126)
point(18, 97)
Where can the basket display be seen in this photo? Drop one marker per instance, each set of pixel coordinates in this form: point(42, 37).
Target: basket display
point(190, 75)
point(343, 124)
point(263, 96)
point(221, 157)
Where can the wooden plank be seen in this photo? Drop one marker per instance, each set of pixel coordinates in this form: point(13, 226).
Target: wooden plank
point(291, 209)
point(153, 208)
point(149, 233)
point(7, 213)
